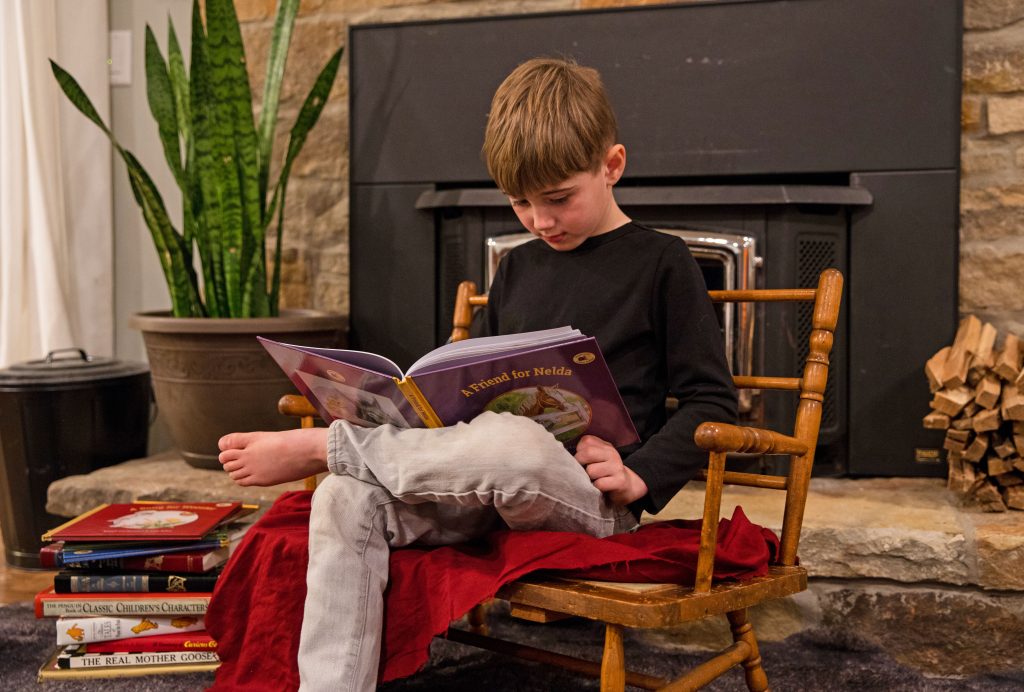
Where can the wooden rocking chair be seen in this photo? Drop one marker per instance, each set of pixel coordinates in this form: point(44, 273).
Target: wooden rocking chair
point(545, 599)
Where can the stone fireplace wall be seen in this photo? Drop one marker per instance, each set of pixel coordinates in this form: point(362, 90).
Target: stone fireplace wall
point(992, 143)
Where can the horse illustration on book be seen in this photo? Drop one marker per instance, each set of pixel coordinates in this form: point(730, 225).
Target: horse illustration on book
point(563, 413)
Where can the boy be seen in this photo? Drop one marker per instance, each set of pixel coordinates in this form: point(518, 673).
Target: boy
point(551, 146)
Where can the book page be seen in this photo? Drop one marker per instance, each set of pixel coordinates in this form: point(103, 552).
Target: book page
point(355, 386)
point(472, 350)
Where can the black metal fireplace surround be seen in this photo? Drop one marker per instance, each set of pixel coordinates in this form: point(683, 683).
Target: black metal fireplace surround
point(821, 132)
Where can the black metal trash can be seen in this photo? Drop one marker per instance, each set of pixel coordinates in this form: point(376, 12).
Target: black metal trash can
point(66, 414)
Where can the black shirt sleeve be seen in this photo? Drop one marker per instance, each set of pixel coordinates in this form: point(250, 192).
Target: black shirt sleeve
point(697, 374)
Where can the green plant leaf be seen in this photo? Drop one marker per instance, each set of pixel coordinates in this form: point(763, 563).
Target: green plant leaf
point(280, 41)
point(179, 90)
point(175, 262)
point(77, 96)
point(161, 105)
point(242, 236)
point(175, 255)
point(310, 112)
point(209, 144)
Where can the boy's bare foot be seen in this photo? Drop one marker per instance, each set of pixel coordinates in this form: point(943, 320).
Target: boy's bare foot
point(269, 458)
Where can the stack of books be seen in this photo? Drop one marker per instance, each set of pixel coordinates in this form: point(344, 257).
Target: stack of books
point(135, 582)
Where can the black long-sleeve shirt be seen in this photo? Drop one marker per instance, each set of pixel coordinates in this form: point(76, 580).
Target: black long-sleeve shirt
point(642, 295)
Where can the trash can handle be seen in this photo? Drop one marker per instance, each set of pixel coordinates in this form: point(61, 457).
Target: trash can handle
point(80, 351)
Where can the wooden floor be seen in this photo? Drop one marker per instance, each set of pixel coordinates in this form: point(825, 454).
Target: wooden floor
point(18, 585)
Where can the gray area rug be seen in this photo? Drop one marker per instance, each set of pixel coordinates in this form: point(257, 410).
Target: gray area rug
point(806, 662)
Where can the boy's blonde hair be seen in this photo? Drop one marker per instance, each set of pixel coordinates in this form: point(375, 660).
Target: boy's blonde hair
point(550, 119)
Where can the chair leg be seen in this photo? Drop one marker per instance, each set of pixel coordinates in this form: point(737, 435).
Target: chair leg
point(613, 662)
point(742, 630)
point(478, 618)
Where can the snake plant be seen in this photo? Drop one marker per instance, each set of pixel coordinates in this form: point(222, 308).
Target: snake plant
point(221, 161)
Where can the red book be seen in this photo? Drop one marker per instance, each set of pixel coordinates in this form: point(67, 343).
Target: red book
point(177, 641)
point(147, 521)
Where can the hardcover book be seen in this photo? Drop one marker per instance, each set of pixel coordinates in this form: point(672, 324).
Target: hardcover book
point(188, 561)
point(75, 656)
point(70, 582)
point(51, 671)
point(175, 641)
point(51, 604)
point(80, 630)
point(557, 377)
point(148, 521)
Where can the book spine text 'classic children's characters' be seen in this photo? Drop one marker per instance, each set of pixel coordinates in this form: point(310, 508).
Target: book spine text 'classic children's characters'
point(51, 604)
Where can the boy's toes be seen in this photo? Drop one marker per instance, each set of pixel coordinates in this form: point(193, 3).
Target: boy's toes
point(233, 441)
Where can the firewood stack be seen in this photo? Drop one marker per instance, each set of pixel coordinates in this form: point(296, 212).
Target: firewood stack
point(978, 399)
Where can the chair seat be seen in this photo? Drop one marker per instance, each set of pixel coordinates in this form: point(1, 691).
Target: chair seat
point(546, 598)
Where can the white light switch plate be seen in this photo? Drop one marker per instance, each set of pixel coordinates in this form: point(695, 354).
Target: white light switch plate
point(120, 58)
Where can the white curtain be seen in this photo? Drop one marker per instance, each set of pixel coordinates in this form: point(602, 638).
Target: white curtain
point(56, 252)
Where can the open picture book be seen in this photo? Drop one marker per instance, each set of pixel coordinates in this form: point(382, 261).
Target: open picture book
point(557, 377)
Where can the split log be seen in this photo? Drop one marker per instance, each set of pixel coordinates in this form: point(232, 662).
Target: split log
point(965, 344)
point(986, 393)
point(1008, 363)
point(933, 369)
point(976, 450)
point(1012, 406)
point(952, 401)
point(998, 466)
point(984, 357)
point(936, 421)
point(986, 420)
point(1014, 497)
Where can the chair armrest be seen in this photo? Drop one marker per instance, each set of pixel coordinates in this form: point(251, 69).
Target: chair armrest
point(722, 437)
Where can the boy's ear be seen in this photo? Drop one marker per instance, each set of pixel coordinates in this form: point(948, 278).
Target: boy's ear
point(614, 163)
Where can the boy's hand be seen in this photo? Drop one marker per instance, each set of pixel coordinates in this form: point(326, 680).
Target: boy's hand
point(607, 472)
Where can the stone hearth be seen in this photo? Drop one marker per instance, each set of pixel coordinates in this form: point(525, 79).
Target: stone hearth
point(893, 560)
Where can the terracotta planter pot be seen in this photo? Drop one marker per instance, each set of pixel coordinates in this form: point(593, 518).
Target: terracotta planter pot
point(212, 377)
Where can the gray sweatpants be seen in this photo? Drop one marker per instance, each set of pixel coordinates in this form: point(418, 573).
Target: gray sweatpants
point(390, 487)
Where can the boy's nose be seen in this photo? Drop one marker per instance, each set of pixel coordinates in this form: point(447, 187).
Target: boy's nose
point(542, 221)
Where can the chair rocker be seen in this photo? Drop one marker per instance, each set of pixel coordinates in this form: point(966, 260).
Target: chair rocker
point(546, 598)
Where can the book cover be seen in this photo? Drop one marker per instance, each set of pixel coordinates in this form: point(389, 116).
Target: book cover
point(557, 377)
point(80, 630)
point(50, 671)
point(76, 657)
point(51, 604)
point(71, 582)
point(189, 561)
point(175, 641)
point(146, 521)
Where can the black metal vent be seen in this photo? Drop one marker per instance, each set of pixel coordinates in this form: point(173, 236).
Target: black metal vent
point(813, 257)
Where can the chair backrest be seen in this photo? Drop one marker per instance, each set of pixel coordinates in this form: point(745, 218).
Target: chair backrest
point(721, 439)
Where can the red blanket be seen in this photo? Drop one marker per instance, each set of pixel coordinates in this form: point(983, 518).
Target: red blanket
point(256, 611)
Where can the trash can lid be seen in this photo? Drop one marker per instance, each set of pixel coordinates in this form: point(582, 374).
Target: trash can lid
point(68, 365)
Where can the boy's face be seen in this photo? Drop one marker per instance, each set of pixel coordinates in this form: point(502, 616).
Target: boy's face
point(566, 214)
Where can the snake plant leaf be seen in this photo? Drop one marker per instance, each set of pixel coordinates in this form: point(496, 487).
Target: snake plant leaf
point(280, 40)
point(180, 279)
point(77, 96)
point(179, 90)
point(179, 83)
point(307, 118)
point(236, 146)
point(174, 255)
point(159, 93)
point(212, 144)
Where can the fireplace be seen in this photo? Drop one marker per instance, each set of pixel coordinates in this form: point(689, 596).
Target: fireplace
point(777, 138)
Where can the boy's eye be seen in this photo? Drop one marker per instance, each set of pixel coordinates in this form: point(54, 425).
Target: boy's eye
point(520, 203)
point(559, 200)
